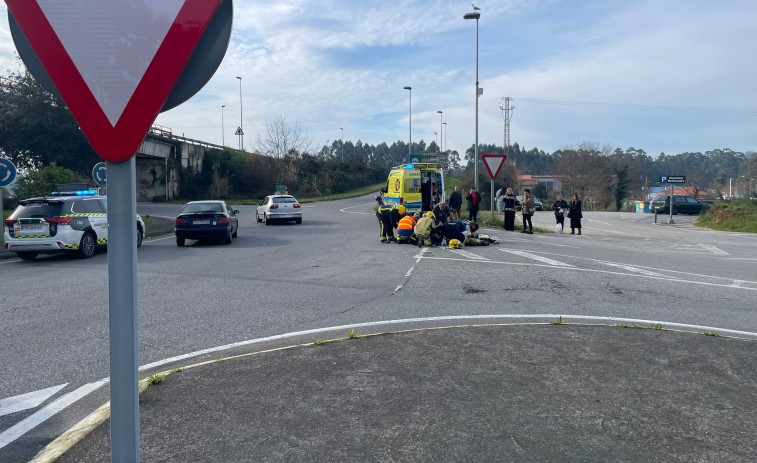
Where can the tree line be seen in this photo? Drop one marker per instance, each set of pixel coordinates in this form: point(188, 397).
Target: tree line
point(38, 131)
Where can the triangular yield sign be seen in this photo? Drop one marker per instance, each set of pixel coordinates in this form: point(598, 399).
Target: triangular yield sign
point(113, 62)
point(493, 163)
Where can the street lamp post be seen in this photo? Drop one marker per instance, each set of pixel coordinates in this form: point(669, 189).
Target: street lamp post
point(441, 126)
point(410, 113)
point(342, 142)
point(241, 125)
point(475, 15)
point(445, 137)
point(223, 142)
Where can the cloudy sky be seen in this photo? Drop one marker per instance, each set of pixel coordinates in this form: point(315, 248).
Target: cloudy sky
point(659, 75)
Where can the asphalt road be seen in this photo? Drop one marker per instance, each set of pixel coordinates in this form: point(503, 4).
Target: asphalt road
point(331, 270)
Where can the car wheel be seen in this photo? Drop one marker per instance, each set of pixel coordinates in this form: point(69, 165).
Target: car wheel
point(298, 220)
point(257, 217)
point(266, 219)
point(179, 241)
point(140, 236)
point(227, 240)
point(28, 255)
point(675, 210)
point(87, 246)
point(236, 230)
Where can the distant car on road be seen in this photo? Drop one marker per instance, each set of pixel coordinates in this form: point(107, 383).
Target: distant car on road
point(682, 204)
point(206, 220)
point(66, 221)
point(278, 207)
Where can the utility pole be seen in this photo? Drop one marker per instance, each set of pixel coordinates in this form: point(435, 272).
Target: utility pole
point(507, 114)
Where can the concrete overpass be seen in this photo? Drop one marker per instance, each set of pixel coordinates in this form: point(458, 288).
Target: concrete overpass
point(157, 160)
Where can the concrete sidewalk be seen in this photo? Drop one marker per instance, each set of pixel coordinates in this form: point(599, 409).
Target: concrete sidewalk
point(541, 393)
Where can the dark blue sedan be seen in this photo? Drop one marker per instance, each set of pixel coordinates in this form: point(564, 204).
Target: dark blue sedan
point(206, 220)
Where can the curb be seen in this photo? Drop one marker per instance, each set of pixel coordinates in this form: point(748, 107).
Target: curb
point(83, 428)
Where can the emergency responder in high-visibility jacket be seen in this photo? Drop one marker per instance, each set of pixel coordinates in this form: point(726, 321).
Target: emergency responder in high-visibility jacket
point(423, 229)
point(389, 216)
point(405, 230)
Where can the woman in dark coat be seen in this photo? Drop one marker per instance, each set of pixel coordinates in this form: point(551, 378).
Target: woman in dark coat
point(559, 206)
point(574, 212)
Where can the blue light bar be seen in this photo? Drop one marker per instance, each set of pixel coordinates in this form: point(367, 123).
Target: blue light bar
point(74, 193)
point(409, 166)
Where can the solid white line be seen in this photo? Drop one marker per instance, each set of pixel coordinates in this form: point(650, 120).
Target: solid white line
point(632, 269)
point(714, 250)
point(359, 205)
point(469, 255)
point(535, 257)
point(29, 400)
point(42, 415)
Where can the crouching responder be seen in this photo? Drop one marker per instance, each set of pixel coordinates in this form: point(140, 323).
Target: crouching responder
point(405, 229)
point(389, 216)
point(423, 229)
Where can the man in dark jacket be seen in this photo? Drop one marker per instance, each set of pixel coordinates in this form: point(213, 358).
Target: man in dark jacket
point(474, 202)
point(455, 203)
point(441, 211)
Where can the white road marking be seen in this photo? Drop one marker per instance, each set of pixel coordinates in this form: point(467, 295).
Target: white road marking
point(27, 401)
point(605, 231)
point(417, 258)
point(545, 260)
point(359, 205)
point(714, 250)
point(42, 415)
point(467, 254)
point(631, 268)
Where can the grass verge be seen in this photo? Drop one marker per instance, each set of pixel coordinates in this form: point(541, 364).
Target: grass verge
point(733, 216)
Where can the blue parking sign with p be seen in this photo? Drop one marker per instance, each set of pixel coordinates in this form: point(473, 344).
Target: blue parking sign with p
point(663, 179)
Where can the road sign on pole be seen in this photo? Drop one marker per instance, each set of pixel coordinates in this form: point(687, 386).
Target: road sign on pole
point(115, 64)
point(493, 163)
point(99, 173)
point(7, 176)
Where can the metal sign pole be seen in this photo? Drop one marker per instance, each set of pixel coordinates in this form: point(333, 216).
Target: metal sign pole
point(492, 198)
point(672, 191)
point(122, 301)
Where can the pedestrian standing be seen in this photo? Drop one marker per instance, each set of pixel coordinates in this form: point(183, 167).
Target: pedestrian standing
point(527, 209)
point(575, 215)
point(474, 202)
point(510, 203)
point(560, 207)
point(455, 203)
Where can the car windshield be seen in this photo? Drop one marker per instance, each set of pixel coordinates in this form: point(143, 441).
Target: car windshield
point(284, 200)
point(203, 207)
point(37, 209)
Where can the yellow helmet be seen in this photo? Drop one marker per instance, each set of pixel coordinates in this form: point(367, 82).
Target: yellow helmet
point(400, 209)
point(430, 215)
point(454, 244)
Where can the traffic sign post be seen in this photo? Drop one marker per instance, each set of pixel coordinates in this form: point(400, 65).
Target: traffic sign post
point(116, 74)
point(493, 164)
point(672, 179)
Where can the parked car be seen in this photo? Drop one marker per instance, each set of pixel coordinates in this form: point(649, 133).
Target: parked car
point(279, 207)
point(66, 221)
point(681, 204)
point(206, 220)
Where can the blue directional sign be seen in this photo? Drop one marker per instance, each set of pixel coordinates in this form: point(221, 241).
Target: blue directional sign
point(99, 173)
point(7, 172)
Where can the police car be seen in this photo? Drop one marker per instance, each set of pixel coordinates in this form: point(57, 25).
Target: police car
point(66, 221)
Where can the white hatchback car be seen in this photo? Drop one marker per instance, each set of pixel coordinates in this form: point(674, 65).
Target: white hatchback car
point(278, 207)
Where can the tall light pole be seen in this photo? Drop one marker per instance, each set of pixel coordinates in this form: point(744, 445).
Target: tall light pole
point(223, 143)
point(445, 137)
point(441, 126)
point(340, 128)
point(475, 15)
point(241, 125)
point(410, 112)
